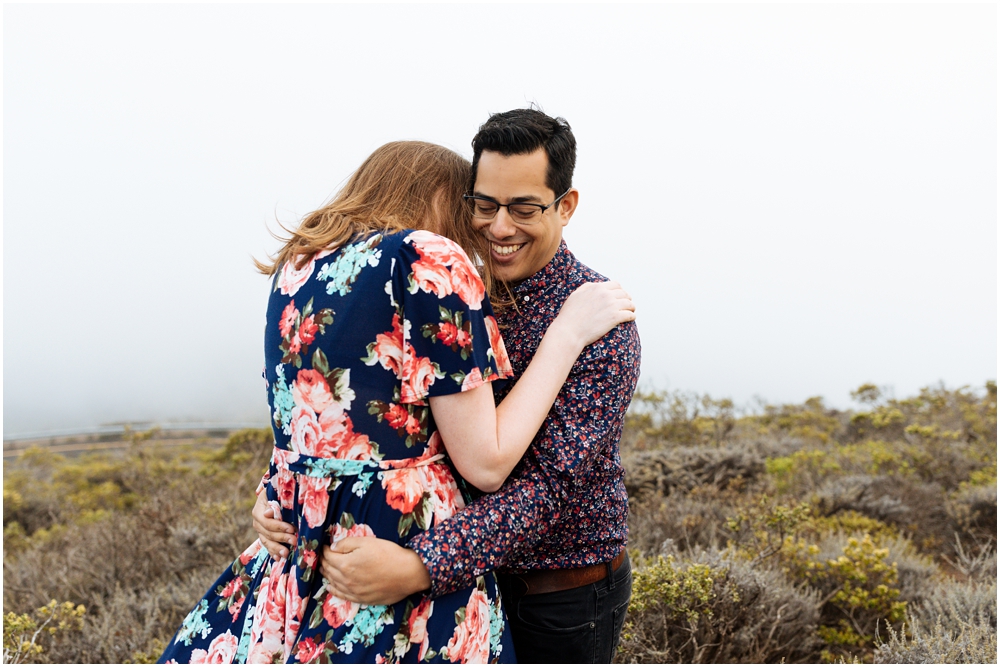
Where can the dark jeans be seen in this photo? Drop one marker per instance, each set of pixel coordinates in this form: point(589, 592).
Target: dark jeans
point(578, 625)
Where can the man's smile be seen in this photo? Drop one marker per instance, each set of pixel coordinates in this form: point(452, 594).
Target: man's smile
point(505, 251)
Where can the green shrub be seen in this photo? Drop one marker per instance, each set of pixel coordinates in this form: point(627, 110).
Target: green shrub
point(859, 588)
point(716, 611)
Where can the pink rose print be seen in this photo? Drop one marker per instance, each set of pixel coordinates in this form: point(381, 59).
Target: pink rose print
point(419, 374)
point(418, 626)
point(412, 425)
point(267, 636)
point(467, 284)
point(230, 588)
point(435, 446)
point(397, 416)
point(431, 244)
point(448, 333)
point(339, 441)
point(309, 650)
point(357, 530)
point(472, 380)
point(249, 553)
point(404, 488)
point(295, 607)
point(284, 484)
point(288, 317)
point(439, 482)
point(432, 276)
point(471, 641)
point(463, 338)
point(309, 557)
point(221, 651)
point(291, 279)
point(499, 349)
point(337, 611)
point(311, 389)
point(306, 432)
point(307, 330)
point(314, 496)
point(387, 349)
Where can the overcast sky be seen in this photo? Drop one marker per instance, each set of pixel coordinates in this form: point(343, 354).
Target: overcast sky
point(800, 199)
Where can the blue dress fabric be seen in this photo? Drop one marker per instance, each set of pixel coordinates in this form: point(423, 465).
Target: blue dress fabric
point(357, 339)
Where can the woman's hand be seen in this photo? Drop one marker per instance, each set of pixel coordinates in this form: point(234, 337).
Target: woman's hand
point(274, 533)
point(370, 570)
point(591, 311)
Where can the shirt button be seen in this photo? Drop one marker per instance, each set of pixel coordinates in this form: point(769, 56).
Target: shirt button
point(527, 298)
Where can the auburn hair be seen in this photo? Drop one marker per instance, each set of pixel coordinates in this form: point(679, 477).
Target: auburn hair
point(402, 185)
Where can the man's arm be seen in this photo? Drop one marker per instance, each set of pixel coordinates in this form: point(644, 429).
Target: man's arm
point(485, 535)
point(450, 556)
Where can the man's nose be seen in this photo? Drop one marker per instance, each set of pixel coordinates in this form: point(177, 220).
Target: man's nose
point(502, 226)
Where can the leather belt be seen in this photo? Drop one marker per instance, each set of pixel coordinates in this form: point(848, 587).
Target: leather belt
point(552, 581)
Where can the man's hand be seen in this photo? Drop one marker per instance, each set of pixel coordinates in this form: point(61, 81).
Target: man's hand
point(370, 570)
point(273, 532)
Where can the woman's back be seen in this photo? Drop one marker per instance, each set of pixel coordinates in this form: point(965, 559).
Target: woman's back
point(356, 341)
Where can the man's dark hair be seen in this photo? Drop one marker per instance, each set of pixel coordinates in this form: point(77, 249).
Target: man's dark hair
point(522, 131)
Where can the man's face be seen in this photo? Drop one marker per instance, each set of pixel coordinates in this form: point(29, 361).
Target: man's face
point(520, 250)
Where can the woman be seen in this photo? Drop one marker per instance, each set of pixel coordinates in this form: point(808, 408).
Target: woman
point(380, 346)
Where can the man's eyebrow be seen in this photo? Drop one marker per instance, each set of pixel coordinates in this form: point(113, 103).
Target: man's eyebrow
point(526, 199)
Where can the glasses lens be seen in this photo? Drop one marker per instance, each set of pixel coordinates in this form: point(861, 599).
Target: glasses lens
point(524, 212)
point(483, 208)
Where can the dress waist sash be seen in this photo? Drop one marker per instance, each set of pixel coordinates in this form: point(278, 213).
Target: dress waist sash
point(315, 466)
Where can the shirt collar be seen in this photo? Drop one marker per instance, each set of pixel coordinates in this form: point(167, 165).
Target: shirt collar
point(551, 273)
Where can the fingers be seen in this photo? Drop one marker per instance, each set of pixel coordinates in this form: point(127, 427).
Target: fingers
point(276, 531)
point(335, 568)
point(268, 528)
point(349, 544)
point(275, 549)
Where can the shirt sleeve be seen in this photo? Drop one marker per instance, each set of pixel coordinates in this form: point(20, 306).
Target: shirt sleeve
point(451, 341)
point(584, 424)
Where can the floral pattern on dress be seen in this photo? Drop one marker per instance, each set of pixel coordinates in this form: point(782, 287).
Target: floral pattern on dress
point(357, 454)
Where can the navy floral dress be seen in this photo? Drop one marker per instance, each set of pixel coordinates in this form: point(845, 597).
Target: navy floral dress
point(356, 341)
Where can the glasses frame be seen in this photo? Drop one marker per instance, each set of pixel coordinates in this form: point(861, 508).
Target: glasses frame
point(534, 219)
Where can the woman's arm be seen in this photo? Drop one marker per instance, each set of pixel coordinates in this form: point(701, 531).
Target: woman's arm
point(486, 442)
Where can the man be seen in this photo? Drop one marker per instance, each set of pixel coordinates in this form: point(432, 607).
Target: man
point(556, 531)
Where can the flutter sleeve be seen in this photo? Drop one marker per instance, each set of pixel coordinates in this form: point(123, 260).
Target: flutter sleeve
point(450, 337)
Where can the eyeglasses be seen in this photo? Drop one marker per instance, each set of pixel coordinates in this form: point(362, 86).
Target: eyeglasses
point(522, 212)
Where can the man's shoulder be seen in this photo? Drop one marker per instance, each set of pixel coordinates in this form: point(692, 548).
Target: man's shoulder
point(579, 273)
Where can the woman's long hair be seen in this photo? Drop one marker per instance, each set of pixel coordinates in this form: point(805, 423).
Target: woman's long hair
point(402, 185)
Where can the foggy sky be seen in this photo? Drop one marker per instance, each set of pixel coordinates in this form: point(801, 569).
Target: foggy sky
point(800, 199)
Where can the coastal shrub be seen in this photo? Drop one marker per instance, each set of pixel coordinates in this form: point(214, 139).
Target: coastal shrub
point(697, 519)
point(973, 509)
point(679, 470)
point(716, 610)
point(136, 537)
point(679, 418)
point(973, 642)
point(811, 421)
point(859, 587)
point(976, 561)
point(950, 602)
point(26, 637)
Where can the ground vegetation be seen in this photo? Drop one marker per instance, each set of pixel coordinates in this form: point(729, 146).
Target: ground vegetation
point(794, 533)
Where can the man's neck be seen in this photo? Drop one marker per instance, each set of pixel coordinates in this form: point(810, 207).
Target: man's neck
point(548, 261)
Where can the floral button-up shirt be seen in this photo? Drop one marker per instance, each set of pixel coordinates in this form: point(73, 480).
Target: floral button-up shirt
point(564, 505)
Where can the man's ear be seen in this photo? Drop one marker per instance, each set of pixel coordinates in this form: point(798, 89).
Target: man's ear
point(567, 205)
